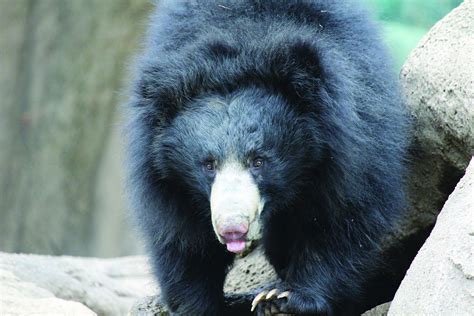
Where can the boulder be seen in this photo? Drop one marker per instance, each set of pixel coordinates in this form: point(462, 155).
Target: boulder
point(380, 310)
point(72, 285)
point(440, 280)
point(438, 83)
point(21, 297)
point(250, 274)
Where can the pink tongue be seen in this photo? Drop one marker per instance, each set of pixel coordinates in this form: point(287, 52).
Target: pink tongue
point(236, 246)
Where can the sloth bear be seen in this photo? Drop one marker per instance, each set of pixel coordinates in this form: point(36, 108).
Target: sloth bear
point(271, 122)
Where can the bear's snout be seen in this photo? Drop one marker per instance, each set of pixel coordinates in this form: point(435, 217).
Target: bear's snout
point(236, 205)
point(233, 232)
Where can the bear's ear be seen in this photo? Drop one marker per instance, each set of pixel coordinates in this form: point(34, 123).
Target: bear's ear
point(159, 99)
point(305, 57)
point(306, 73)
point(301, 78)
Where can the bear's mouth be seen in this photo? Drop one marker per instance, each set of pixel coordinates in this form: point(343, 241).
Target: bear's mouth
point(242, 247)
point(236, 246)
point(234, 237)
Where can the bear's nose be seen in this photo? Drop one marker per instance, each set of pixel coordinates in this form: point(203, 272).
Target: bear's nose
point(233, 232)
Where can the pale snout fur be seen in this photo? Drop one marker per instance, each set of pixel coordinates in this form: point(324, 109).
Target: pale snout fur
point(236, 200)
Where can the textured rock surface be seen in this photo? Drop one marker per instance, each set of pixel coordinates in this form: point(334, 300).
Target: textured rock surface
point(150, 305)
point(380, 310)
point(249, 274)
point(21, 297)
point(66, 285)
point(438, 81)
point(440, 280)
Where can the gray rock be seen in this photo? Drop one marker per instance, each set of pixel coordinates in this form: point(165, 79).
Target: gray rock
point(249, 274)
point(66, 285)
point(150, 305)
point(21, 297)
point(380, 310)
point(440, 280)
point(438, 82)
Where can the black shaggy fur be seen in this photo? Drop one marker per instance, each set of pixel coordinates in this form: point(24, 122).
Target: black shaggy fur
point(308, 86)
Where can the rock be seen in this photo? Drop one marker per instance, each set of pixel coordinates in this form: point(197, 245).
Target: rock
point(150, 305)
point(66, 285)
point(249, 274)
point(20, 297)
point(440, 280)
point(438, 82)
point(380, 310)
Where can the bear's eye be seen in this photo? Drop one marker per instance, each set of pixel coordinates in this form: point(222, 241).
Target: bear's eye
point(210, 165)
point(257, 163)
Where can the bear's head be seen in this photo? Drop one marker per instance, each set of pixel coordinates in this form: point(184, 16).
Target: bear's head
point(247, 153)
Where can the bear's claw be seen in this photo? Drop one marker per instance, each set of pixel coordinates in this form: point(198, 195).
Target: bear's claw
point(269, 296)
point(258, 299)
